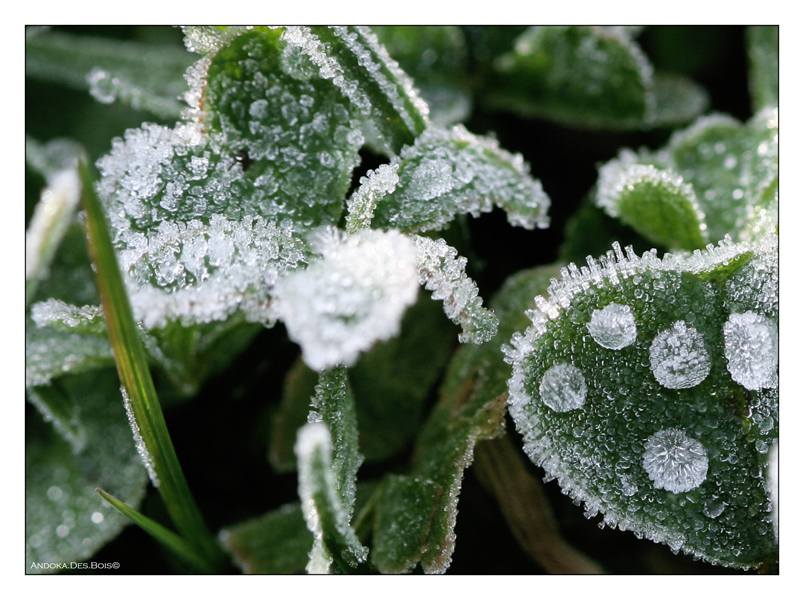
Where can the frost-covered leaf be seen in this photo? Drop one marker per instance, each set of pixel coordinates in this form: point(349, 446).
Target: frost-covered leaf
point(208, 217)
point(334, 405)
point(714, 178)
point(53, 214)
point(763, 57)
point(416, 515)
point(592, 77)
point(442, 272)
point(391, 383)
point(647, 388)
point(364, 72)
point(415, 519)
point(436, 58)
point(51, 353)
point(277, 542)
point(352, 297)
point(326, 517)
point(65, 519)
point(734, 169)
point(448, 172)
point(658, 204)
point(146, 76)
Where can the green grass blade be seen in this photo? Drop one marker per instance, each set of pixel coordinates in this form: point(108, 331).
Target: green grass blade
point(136, 379)
point(160, 533)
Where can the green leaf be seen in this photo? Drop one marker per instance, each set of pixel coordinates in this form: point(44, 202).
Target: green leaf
point(278, 542)
point(139, 395)
point(375, 85)
point(146, 76)
point(209, 217)
point(763, 58)
point(50, 353)
point(648, 389)
point(436, 58)
point(159, 532)
point(334, 405)
point(733, 168)
point(415, 517)
point(326, 516)
point(64, 519)
point(590, 77)
point(658, 204)
point(716, 177)
point(448, 172)
point(54, 212)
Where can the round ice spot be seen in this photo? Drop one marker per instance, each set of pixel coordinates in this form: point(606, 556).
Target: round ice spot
point(563, 387)
point(674, 461)
point(678, 357)
point(613, 327)
point(752, 350)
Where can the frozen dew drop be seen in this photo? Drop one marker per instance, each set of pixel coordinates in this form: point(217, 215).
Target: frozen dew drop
point(674, 461)
point(563, 387)
point(613, 327)
point(752, 350)
point(678, 357)
point(97, 518)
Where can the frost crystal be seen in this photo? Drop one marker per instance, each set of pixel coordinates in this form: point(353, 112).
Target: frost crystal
point(613, 327)
point(678, 357)
point(752, 350)
point(372, 188)
point(674, 461)
point(147, 459)
point(354, 296)
point(563, 388)
point(443, 274)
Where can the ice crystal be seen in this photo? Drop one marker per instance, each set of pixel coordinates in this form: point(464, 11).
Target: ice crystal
point(674, 461)
point(352, 297)
point(678, 357)
point(442, 272)
point(563, 388)
point(373, 187)
point(752, 350)
point(147, 459)
point(613, 326)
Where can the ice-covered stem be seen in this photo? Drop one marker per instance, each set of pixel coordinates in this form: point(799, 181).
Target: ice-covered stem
point(135, 376)
point(442, 272)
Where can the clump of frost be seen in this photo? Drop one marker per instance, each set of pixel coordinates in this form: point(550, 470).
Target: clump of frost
point(674, 461)
point(563, 387)
point(613, 326)
point(678, 357)
point(752, 350)
point(352, 297)
point(442, 272)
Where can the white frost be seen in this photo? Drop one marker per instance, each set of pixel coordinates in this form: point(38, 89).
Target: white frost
point(354, 296)
point(678, 357)
point(752, 350)
point(674, 461)
point(563, 387)
point(613, 326)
